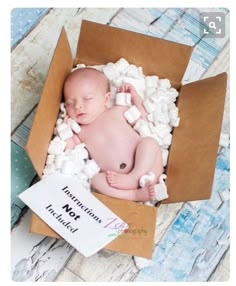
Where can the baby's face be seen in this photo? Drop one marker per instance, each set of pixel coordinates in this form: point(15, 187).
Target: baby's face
point(85, 101)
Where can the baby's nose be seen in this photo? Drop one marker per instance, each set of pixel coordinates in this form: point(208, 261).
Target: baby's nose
point(78, 105)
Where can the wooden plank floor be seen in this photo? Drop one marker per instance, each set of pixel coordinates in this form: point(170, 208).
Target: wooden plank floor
point(37, 258)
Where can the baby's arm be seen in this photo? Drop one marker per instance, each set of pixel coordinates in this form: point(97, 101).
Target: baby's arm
point(72, 142)
point(136, 99)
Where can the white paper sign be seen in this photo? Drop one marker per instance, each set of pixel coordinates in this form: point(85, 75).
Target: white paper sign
point(73, 212)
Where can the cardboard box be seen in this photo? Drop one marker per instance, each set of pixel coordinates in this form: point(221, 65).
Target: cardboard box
point(193, 152)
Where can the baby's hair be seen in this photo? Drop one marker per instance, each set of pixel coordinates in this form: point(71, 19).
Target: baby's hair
point(88, 69)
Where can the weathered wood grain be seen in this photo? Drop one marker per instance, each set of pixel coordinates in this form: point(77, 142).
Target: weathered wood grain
point(36, 257)
point(31, 58)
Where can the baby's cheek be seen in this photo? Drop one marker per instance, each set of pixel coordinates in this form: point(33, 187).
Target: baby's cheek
point(70, 112)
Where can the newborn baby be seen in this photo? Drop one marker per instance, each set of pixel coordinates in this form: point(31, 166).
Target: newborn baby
point(122, 155)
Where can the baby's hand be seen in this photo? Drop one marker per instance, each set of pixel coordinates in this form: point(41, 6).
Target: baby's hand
point(129, 88)
point(135, 98)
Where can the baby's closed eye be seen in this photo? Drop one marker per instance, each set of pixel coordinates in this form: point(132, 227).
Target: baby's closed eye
point(69, 103)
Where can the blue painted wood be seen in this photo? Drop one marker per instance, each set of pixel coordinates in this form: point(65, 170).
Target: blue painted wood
point(199, 236)
point(23, 20)
point(175, 24)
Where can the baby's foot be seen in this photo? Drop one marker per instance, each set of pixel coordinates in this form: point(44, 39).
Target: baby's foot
point(151, 188)
point(146, 193)
point(121, 181)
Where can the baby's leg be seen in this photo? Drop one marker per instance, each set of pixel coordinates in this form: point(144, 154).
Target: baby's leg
point(99, 183)
point(147, 158)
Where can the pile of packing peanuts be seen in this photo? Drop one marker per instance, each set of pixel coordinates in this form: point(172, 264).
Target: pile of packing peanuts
point(159, 101)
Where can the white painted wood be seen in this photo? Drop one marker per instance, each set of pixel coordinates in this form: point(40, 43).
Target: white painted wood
point(31, 58)
point(36, 257)
point(165, 216)
point(68, 276)
point(104, 266)
point(112, 266)
point(222, 272)
point(30, 61)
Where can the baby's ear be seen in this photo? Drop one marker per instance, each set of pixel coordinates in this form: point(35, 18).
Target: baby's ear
point(107, 97)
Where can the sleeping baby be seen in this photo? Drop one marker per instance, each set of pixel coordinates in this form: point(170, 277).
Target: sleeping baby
point(121, 153)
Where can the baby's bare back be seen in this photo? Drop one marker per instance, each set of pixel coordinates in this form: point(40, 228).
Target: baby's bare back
point(111, 141)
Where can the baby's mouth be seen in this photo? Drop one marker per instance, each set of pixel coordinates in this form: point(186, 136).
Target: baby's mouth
point(81, 114)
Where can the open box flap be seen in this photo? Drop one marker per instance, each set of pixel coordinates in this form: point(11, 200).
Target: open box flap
point(194, 147)
point(138, 239)
point(99, 44)
point(48, 107)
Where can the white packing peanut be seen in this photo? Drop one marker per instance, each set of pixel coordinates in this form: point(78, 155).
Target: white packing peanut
point(121, 64)
point(97, 67)
point(151, 92)
point(149, 105)
point(132, 114)
point(165, 154)
point(152, 81)
point(50, 159)
point(160, 115)
point(59, 121)
point(49, 169)
point(73, 125)
point(56, 146)
point(110, 71)
point(79, 166)
point(123, 99)
point(116, 82)
point(67, 167)
point(161, 189)
point(143, 128)
point(59, 159)
point(162, 129)
point(175, 122)
point(167, 139)
point(81, 151)
point(64, 131)
point(91, 168)
point(79, 66)
point(62, 110)
point(164, 83)
point(133, 71)
point(173, 94)
point(149, 177)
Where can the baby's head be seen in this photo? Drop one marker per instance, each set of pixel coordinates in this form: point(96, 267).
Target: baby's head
point(86, 93)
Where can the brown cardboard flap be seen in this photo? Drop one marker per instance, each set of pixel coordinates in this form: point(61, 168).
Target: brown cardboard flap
point(194, 147)
point(100, 44)
point(48, 107)
point(39, 226)
point(137, 240)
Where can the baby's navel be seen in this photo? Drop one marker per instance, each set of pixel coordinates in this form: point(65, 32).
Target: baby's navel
point(122, 166)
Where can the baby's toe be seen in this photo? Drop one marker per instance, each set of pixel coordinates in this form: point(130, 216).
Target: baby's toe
point(151, 191)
